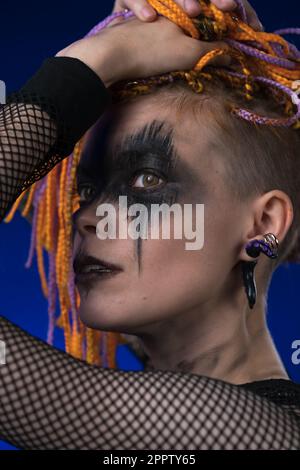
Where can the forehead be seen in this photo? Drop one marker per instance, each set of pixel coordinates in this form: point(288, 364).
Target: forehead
point(192, 139)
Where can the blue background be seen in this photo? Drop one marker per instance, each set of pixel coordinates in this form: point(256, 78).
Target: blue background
point(31, 31)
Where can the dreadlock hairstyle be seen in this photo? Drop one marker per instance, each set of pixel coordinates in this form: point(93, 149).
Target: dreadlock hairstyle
point(265, 73)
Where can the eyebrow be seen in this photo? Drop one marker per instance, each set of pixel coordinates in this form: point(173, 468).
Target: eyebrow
point(155, 138)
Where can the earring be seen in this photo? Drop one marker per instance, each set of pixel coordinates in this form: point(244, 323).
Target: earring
point(268, 246)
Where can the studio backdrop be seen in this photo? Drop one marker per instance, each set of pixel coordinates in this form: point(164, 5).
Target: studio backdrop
point(32, 31)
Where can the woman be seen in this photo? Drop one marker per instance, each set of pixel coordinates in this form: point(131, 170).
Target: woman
point(207, 341)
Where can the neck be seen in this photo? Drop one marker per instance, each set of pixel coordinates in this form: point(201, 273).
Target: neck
point(217, 342)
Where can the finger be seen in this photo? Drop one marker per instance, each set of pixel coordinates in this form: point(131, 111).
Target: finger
point(191, 7)
point(229, 5)
point(203, 47)
point(225, 5)
point(118, 6)
point(142, 9)
point(252, 17)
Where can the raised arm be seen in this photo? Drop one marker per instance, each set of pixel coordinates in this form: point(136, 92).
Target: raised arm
point(49, 400)
point(41, 123)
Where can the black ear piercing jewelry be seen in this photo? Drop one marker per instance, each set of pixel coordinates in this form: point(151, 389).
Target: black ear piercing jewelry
point(268, 246)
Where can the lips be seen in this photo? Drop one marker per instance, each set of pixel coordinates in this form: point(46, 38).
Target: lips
point(88, 267)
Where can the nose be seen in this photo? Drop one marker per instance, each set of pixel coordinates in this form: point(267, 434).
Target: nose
point(84, 220)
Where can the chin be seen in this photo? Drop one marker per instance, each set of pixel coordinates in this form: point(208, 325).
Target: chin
point(104, 319)
point(97, 318)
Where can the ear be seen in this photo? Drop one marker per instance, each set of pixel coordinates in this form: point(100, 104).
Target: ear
point(271, 212)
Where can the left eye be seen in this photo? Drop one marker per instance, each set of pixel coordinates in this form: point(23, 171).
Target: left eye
point(146, 180)
point(86, 192)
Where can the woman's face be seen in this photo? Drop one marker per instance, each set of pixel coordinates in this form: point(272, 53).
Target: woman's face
point(153, 155)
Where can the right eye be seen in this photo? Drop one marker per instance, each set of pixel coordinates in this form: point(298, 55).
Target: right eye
point(86, 192)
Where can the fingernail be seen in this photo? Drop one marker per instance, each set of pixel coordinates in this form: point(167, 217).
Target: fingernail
point(225, 4)
point(192, 7)
point(147, 13)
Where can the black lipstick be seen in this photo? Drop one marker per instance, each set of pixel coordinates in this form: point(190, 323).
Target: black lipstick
point(88, 268)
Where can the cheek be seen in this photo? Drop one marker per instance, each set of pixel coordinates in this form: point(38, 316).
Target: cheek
point(178, 276)
point(174, 279)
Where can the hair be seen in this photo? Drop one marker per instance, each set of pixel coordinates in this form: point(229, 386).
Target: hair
point(258, 158)
point(263, 153)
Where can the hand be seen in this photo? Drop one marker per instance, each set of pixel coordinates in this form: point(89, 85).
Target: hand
point(118, 52)
point(145, 12)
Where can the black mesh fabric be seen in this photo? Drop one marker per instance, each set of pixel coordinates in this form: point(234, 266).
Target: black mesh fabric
point(50, 400)
point(23, 123)
point(41, 123)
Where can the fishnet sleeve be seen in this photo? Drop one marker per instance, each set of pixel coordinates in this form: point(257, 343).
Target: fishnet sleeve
point(50, 400)
point(41, 123)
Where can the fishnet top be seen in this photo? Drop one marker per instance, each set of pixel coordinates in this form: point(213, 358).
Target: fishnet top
point(50, 400)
